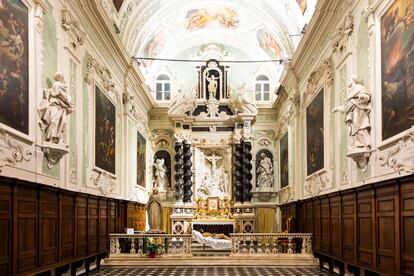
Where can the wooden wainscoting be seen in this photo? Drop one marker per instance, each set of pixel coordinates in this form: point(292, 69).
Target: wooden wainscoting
point(44, 228)
point(369, 227)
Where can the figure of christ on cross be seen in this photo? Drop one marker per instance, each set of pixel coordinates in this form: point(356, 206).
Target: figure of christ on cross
point(213, 160)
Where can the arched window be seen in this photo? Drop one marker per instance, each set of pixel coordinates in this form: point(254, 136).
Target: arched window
point(262, 88)
point(163, 88)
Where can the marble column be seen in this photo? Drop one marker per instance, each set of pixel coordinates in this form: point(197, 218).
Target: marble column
point(179, 171)
point(238, 172)
point(247, 171)
point(187, 172)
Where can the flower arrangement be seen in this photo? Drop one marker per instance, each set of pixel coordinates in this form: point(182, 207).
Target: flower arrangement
point(153, 247)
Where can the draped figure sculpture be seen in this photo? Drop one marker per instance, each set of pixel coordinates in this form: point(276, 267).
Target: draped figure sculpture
point(161, 179)
point(265, 172)
point(54, 108)
point(357, 109)
point(154, 211)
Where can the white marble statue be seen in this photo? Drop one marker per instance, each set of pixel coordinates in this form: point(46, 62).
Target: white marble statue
point(154, 210)
point(224, 187)
point(357, 109)
point(212, 86)
point(241, 104)
point(265, 172)
point(54, 109)
point(161, 179)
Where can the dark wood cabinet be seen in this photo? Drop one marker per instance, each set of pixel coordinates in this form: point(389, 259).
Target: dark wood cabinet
point(370, 227)
point(43, 227)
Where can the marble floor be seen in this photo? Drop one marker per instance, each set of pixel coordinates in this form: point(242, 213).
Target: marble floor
point(209, 271)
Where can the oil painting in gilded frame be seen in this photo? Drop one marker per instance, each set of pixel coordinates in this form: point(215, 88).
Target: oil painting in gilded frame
point(141, 160)
point(105, 123)
point(284, 161)
point(14, 65)
point(315, 135)
point(397, 68)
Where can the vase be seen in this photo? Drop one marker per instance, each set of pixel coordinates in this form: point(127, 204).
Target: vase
point(151, 254)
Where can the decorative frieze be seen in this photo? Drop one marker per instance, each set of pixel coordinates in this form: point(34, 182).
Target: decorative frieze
point(316, 183)
point(72, 27)
point(400, 156)
point(104, 182)
point(12, 151)
point(102, 71)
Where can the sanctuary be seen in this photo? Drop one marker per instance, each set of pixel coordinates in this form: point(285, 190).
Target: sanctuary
point(203, 137)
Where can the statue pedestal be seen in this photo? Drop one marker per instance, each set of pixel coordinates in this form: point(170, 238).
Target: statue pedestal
point(181, 217)
point(244, 216)
point(53, 152)
point(264, 196)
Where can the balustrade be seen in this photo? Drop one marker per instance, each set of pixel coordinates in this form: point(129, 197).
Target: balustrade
point(271, 243)
point(136, 244)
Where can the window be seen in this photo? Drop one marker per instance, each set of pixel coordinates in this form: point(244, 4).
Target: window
point(163, 88)
point(262, 88)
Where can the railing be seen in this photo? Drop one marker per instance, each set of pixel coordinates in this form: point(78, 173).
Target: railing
point(136, 244)
point(271, 243)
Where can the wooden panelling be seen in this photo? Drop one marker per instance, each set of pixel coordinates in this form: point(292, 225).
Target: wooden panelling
point(103, 224)
point(325, 225)
point(43, 228)
point(26, 228)
point(407, 226)
point(81, 226)
point(371, 227)
point(348, 227)
point(48, 227)
point(5, 228)
point(335, 225)
point(67, 224)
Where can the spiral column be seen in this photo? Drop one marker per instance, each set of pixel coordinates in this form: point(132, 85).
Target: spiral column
point(238, 172)
point(247, 171)
point(187, 172)
point(179, 171)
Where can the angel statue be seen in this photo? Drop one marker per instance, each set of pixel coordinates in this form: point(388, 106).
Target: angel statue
point(161, 180)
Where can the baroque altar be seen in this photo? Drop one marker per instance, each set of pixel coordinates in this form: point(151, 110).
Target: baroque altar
point(213, 143)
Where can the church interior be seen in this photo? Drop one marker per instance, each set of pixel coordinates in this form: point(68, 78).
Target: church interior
point(210, 137)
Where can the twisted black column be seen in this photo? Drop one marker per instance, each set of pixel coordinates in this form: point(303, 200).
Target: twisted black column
point(247, 171)
point(187, 172)
point(179, 172)
point(238, 173)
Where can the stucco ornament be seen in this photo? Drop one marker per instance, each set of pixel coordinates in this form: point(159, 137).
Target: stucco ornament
point(241, 104)
point(357, 109)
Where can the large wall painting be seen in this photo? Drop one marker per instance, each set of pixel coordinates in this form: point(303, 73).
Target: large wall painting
point(268, 43)
point(154, 46)
point(104, 132)
point(315, 135)
point(141, 160)
point(14, 77)
point(197, 19)
point(397, 39)
point(284, 161)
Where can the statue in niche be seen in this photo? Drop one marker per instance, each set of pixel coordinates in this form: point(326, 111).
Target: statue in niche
point(154, 210)
point(161, 180)
point(212, 86)
point(357, 109)
point(265, 172)
point(54, 109)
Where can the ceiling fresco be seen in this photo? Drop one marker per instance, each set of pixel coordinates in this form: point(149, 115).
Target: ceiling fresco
point(259, 30)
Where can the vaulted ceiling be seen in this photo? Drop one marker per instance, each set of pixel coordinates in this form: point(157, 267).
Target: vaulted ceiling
point(256, 30)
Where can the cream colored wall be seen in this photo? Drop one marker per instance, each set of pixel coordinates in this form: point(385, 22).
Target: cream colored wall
point(58, 47)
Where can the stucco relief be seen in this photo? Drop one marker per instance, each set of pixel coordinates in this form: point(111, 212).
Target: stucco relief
point(12, 151)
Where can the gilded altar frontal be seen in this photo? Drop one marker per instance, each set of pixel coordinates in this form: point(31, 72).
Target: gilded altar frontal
point(206, 137)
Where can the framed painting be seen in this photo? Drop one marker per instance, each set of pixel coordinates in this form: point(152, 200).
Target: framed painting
point(14, 65)
point(284, 161)
point(397, 68)
point(315, 135)
point(212, 205)
point(104, 132)
point(141, 160)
